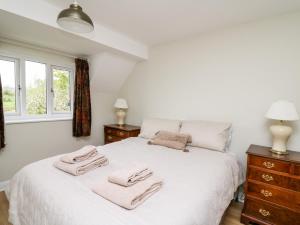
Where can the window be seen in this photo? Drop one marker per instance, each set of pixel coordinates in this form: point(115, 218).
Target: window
point(36, 96)
point(8, 69)
point(61, 90)
point(35, 91)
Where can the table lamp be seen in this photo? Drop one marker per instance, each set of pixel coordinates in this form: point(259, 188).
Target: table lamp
point(121, 106)
point(282, 111)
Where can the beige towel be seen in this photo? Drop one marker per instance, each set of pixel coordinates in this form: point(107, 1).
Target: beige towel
point(128, 197)
point(82, 167)
point(173, 136)
point(129, 176)
point(80, 155)
point(170, 140)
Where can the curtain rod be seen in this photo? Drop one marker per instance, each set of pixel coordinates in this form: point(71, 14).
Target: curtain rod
point(36, 47)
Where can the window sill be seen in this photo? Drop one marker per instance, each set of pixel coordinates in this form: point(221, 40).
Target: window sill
point(36, 120)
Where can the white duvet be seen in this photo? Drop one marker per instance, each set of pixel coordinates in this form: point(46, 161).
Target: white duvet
point(198, 187)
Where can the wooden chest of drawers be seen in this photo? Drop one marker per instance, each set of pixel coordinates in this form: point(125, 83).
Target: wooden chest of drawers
point(114, 132)
point(272, 188)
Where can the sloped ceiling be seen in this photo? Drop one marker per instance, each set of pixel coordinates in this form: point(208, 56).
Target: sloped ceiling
point(109, 71)
point(24, 30)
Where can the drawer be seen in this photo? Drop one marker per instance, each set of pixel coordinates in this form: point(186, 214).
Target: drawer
point(274, 179)
point(270, 164)
point(122, 134)
point(112, 138)
point(266, 192)
point(271, 213)
point(297, 170)
point(115, 132)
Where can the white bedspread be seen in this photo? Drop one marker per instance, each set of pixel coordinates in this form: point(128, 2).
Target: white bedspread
point(198, 187)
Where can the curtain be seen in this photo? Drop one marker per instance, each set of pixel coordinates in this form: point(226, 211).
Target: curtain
point(82, 115)
point(2, 137)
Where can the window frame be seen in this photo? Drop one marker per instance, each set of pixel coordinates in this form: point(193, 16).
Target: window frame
point(21, 115)
point(16, 62)
point(71, 90)
point(24, 91)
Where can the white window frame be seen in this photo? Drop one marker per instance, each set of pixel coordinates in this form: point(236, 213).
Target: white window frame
point(24, 114)
point(17, 85)
point(21, 115)
point(71, 85)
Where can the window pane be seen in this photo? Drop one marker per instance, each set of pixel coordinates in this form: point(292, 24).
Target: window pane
point(61, 90)
point(7, 71)
point(35, 88)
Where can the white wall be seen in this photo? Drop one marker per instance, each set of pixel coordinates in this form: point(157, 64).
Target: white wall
point(229, 75)
point(29, 142)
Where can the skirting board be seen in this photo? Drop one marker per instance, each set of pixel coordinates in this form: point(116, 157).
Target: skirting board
point(3, 184)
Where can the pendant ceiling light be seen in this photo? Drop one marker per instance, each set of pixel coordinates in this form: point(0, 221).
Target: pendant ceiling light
point(74, 19)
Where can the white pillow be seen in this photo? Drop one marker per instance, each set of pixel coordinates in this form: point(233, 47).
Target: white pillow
point(207, 134)
point(151, 126)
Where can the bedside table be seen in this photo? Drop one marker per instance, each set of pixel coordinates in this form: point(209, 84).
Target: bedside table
point(272, 188)
point(114, 132)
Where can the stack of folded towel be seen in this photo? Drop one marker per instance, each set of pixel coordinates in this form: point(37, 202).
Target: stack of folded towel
point(81, 161)
point(129, 187)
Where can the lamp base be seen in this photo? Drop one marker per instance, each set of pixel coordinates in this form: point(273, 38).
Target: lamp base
point(121, 114)
point(281, 134)
point(278, 152)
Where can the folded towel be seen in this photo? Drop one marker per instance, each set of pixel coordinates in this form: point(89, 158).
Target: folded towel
point(173, 136)
point(80, 155)
point(129, 176)
point(170, 140)
point(82, 167)
point(128, 197)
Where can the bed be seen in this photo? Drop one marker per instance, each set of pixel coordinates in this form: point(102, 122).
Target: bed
point(198, 187)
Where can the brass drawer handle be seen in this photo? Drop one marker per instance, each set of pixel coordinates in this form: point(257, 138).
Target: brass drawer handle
point(266, 193)
point(264, 212)
point(267, 177)
point(268, 165)
point(121, 133)
point(109, 137)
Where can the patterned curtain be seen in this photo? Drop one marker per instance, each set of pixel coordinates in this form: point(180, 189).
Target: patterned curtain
point(82, 115)
point(2, 137)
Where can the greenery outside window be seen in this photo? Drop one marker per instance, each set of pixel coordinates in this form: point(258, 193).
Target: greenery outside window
point(35, 91)
point(61, 90)
point(10, 85)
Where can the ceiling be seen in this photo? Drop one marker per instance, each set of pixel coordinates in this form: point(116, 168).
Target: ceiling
point(157, 21)
point(35, 20)
point(31, 32)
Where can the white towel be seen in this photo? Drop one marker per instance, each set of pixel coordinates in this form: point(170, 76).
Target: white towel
point(82, 167)
point(80, 155)
point(131, 175)
point(128, 197)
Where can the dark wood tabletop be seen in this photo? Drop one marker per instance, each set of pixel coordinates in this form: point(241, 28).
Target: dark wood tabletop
point(124, 127)
point(264, 151)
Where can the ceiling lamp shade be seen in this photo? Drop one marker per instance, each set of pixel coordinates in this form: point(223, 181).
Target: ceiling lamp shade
point(74, 19)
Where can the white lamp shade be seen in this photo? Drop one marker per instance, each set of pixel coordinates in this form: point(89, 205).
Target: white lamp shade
point(75, 25)
point(121, 104)
point(282, 110)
